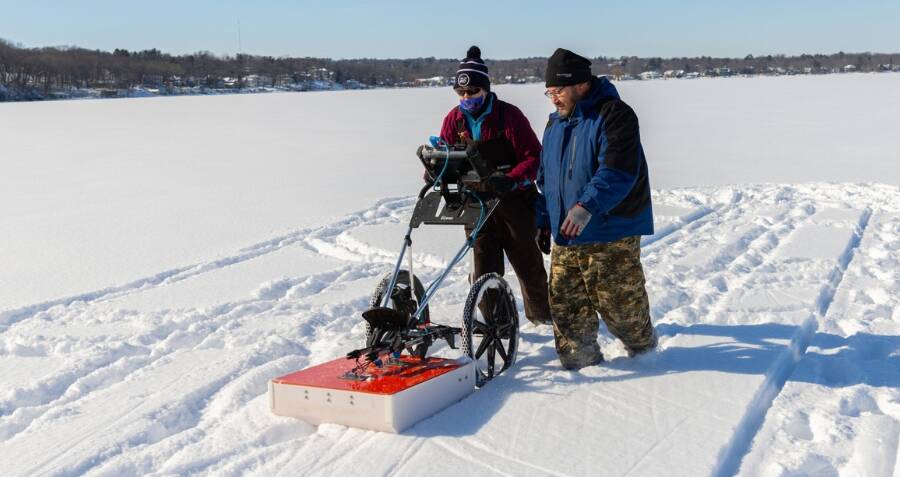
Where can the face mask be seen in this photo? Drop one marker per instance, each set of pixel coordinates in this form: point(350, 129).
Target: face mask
point(471, 104)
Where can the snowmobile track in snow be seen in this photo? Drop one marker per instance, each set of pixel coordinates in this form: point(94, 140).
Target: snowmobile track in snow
point(733, 453)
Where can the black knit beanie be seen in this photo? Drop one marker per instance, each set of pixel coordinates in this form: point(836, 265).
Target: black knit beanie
point(565, 68)
point(472, 72)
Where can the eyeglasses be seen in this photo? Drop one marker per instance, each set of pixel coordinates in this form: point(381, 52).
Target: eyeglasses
point(555, 93)
point(470, 92)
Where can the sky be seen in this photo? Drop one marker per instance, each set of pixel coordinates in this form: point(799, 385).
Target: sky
point(503, 29)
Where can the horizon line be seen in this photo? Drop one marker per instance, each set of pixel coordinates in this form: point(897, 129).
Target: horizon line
point(226, 55)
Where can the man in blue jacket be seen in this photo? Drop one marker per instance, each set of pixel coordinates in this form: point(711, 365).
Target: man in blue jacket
point(596, 203)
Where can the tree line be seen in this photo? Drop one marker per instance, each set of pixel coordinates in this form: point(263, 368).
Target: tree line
point(57, 68)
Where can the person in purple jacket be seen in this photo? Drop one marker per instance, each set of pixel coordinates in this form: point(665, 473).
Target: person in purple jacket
point(504, 136)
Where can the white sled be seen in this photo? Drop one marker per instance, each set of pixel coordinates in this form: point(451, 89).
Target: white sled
point(394, 398)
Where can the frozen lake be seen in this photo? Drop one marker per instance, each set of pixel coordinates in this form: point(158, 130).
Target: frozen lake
point(163, 258)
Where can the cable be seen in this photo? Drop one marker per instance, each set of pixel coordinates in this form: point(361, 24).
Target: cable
point(481, 218)
point(437, 181)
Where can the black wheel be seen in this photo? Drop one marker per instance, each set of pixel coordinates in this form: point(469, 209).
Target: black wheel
point(401, 300)
point(490, 327)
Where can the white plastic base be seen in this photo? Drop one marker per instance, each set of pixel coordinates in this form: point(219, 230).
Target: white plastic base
point(389, 403)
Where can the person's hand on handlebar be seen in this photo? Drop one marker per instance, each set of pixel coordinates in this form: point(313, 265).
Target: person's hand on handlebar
point(501, 183)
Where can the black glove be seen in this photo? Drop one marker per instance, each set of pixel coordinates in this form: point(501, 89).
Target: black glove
point(543, 240)
point(501, 183)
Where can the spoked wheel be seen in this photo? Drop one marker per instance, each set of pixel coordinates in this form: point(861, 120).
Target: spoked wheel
point(401, 300)
point(490, 328)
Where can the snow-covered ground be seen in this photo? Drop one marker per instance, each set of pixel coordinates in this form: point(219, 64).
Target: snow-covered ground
point(164, 258)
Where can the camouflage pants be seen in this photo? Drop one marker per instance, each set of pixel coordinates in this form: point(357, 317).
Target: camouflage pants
point(604, 278)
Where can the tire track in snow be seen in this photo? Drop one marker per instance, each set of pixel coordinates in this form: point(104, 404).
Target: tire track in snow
point(337, 454)
point(399, 464)
point(680, 224)
point(174, 418)
point(659, 441)
point(384, 208)
point(705, 223)
point(753, 250)
point(247, 460)
point(315, 456)
point(732, 454)
point(151, 340)
point(478, 446)
point(836, 277)
point(141, 462)
point(167, 421)
point(95, 373)
point(678, 285)
point(656, 249)
point(704, 217)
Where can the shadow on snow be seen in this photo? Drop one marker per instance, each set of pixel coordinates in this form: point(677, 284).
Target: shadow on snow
point(830, 360)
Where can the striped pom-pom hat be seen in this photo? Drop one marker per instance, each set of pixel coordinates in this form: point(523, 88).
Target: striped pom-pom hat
point(472, 72)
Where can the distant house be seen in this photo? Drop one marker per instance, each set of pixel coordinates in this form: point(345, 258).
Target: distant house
point(354, 84)
point(320, 74)
point(433, 81)
point(649, 75)
point(257, 81)
point(692, 75)
point(848, 69)
point(673, 74)
point(139, 92)
point(284, 80)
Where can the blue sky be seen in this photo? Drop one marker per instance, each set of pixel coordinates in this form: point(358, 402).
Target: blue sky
point(503, 29)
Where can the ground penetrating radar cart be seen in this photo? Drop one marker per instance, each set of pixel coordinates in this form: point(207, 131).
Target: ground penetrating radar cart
point(392, 383)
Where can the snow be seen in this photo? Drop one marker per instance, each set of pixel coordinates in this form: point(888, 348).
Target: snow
point(164, 258)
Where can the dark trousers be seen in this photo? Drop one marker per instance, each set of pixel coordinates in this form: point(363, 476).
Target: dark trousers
point(511, 229)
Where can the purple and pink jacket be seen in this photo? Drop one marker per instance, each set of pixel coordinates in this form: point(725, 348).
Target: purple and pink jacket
point(515, 127)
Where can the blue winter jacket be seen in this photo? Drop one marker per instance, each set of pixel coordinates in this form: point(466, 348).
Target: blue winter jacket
point(595, 157)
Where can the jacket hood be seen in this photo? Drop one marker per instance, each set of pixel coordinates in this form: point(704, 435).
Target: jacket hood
point(601, 89)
